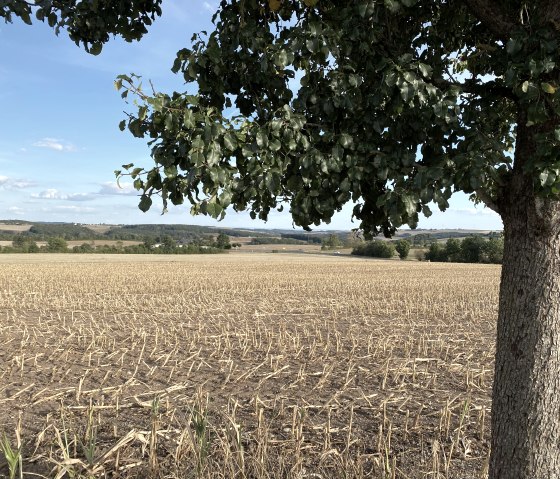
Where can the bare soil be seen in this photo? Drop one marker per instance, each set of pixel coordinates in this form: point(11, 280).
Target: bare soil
point(246, 366)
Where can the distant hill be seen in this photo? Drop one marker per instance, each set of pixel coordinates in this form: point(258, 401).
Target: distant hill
point(41, 231)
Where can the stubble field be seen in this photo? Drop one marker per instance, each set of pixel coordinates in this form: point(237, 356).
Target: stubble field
point(256, 366)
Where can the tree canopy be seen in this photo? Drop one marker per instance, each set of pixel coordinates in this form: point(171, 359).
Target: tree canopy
point(88, 23)
point(392, 105)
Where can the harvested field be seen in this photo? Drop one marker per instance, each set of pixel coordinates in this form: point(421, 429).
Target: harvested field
point(249, 366)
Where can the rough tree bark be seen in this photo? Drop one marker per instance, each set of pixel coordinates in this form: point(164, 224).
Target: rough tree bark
point(526, 395)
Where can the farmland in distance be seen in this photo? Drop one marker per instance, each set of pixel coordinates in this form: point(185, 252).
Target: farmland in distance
point(245, 365)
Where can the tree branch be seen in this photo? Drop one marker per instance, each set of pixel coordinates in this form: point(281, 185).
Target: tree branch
point(487, 200)
point(491, 16)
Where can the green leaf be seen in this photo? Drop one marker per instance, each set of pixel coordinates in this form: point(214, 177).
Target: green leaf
point(262, 139)
point(188, 119)
point(548, 88)
point(96, 48)
point(214, 209)
point(170, 172)
point(275, 145)
point(426, 211)
point(169, 121)
point(230, 141)
point(145, 203)
point(281, 59)
point(514, 46)
point(213, 157)
point(426, 70)
point(346, 140)
point(390, 78)
point(407, 91)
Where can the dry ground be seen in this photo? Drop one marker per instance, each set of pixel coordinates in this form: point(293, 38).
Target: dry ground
point(260, 366)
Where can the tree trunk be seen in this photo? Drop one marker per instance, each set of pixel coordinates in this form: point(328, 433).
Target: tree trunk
point(526, 395)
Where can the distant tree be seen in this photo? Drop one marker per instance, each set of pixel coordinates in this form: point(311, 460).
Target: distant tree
point(472, 249)
point(331, 242)
point(453, 250)
point(436, 252)
point(57, 245)
point(222, 241)
point(149, 242)
point(168, 244)
point(375, 249)
point(403, 247)
point(421, 239)
point(19, 241)
point(493, 250)
point(84, 248)
point(24, 244)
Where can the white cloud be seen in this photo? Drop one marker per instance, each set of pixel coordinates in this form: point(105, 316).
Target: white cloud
point(50, 194)
point(53, 194)
point(106, 189)
point(16, 210)
point(72, 209)
point(80, 197)
point(122, 188)
point(55, 144)
point(474, 211)
point(14, 183)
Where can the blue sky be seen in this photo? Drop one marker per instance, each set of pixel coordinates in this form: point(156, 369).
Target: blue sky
point(60, 142)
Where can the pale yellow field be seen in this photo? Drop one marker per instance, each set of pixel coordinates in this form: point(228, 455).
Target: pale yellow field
point(261, 366)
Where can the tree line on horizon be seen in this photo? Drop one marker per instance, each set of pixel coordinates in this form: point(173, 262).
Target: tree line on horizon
point(167, 245)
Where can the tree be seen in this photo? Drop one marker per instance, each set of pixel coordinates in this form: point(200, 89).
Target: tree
point(375, 249)
point(453, 250)
point(57, 245)
point(399, 104)
point(222, 241)
point(493, 250)
point(168, 244)
point(472, 249)
point(331, 242)
point(403, 248)
point(25, 244)
point(437, 252)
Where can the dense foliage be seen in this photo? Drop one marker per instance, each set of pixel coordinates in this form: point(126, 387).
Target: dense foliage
point(473, 249)
point(375, 249)
point(403, 248)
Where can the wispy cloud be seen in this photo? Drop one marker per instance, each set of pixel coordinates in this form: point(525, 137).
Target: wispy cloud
point(474, 211)
point(53, 194)
point(16, 210)
point(14, 183)
point(72, 209)
point(55, 144)
point(50, 194)
point(106, 189)
point(122, 188)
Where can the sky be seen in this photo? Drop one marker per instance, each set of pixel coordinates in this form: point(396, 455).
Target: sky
point(59, 136)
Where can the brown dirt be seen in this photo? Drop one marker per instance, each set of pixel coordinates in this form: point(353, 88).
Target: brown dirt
point(318, 366)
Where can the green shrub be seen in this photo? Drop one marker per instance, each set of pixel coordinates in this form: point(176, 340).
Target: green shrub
point(375, 249)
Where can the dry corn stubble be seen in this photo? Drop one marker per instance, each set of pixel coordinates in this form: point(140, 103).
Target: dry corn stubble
point(260, 366)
